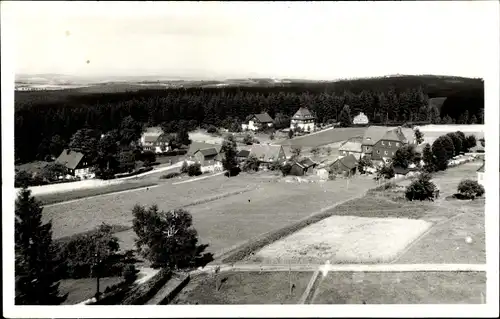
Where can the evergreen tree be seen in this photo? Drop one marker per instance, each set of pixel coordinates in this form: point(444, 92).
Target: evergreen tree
point(480, 117)
point(419, 136)
point(457, 143)
point(35, 261)
point(229, 151)
point(345, 117)
point(428, 159)
point(473, 120)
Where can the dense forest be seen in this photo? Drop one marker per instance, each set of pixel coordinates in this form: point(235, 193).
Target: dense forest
point(45, 118)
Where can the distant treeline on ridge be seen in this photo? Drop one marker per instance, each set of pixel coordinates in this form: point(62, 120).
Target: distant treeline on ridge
point(41, 116)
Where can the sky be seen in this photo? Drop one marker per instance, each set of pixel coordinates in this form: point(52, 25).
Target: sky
point(312, 40)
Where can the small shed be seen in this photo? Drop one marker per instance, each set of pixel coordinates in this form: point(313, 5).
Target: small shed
point(345, 164)
point(303, 167)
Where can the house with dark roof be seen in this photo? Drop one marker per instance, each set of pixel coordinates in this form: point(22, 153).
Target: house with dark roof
point(303, 167)
point(209, 159)
point(242, 155)
point(155, 140)
point(256, 122)
point(380, 143)
point(76, 163)
point(344, 164)
point(195, 146)
point(480, 175)
point(303, 119)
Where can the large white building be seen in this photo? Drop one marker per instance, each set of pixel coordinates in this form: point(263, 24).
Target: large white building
point(361, 118)
point(303, 119)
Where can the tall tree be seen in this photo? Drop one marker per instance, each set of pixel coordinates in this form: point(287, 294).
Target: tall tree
point(428, 159)
point(36, 266)
point(56, 145)
point(443, 150)
point(167, 239)
point(85, 141)
point(130, 130)
point(345, 116)
point(405, 156)
point(229, 151)
point(457, 143)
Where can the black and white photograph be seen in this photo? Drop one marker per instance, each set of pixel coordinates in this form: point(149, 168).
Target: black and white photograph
point(273, 158)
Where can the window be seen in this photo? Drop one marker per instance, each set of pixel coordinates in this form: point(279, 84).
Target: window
point(393, 153)
point(383, 143)
point(378, 151)
point(397, 144)
point(385, 152)
point(389, 143)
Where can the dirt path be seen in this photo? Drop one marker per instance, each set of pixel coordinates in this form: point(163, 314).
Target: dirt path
point(347, 268)
point(198, 178)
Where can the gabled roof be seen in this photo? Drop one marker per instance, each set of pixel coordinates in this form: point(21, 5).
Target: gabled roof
point(154, 130)
point(151, 138)
point(195, 146)
point(208, 151)
point(351, 146)
point(266, 152)
point(303, 114)
point(287, 149)
point(307, 162)
point(70, 159)
point(373, 134)
point(262, 117)
point(408, 133)
point(393, 135)
point(348, 161)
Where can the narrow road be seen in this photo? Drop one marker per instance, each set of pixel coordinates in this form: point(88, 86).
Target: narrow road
point(347, 268)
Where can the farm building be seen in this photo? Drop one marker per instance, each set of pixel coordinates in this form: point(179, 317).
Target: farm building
point(255, 122)
point(480, 175)
point(268, 153)
point(351, 146)
point(195, 146)
point(361, 118)
point(149, 137)
point(303, 119)
point(303, 167)
point(76, 163)
point(345, 164)
point(209, 158)
point(380, 142)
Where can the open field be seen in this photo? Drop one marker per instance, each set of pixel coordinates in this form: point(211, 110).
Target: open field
point(325, 137)
point(79, 290)
point(318, 242)
point(48, 199)
point(346, 239)
point(75, 217)
point(401, 288)
point(201, 136)
point(221, 223)
point(245, 288)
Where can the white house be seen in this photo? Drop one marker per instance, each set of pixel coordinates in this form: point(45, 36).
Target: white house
point(361, 118)
point(480, 175)
point(255, 122)
point(154, 140)
point(303, 119)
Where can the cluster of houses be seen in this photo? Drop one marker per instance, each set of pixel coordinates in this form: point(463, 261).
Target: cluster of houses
point(302, 119)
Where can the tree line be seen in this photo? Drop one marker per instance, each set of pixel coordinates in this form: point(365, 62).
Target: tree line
point(46, 120)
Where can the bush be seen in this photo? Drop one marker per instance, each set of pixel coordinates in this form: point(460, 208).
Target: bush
point(194, 169)
point(234, 171)
point(170, 175)
point(421, 189)
point(130, 273)
point(285, 169)
point(470, 189)
point(78, 254)
point(252, 163)
point(275, 166)
point(363, 163)
point(211, 129)
point(248, 139)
